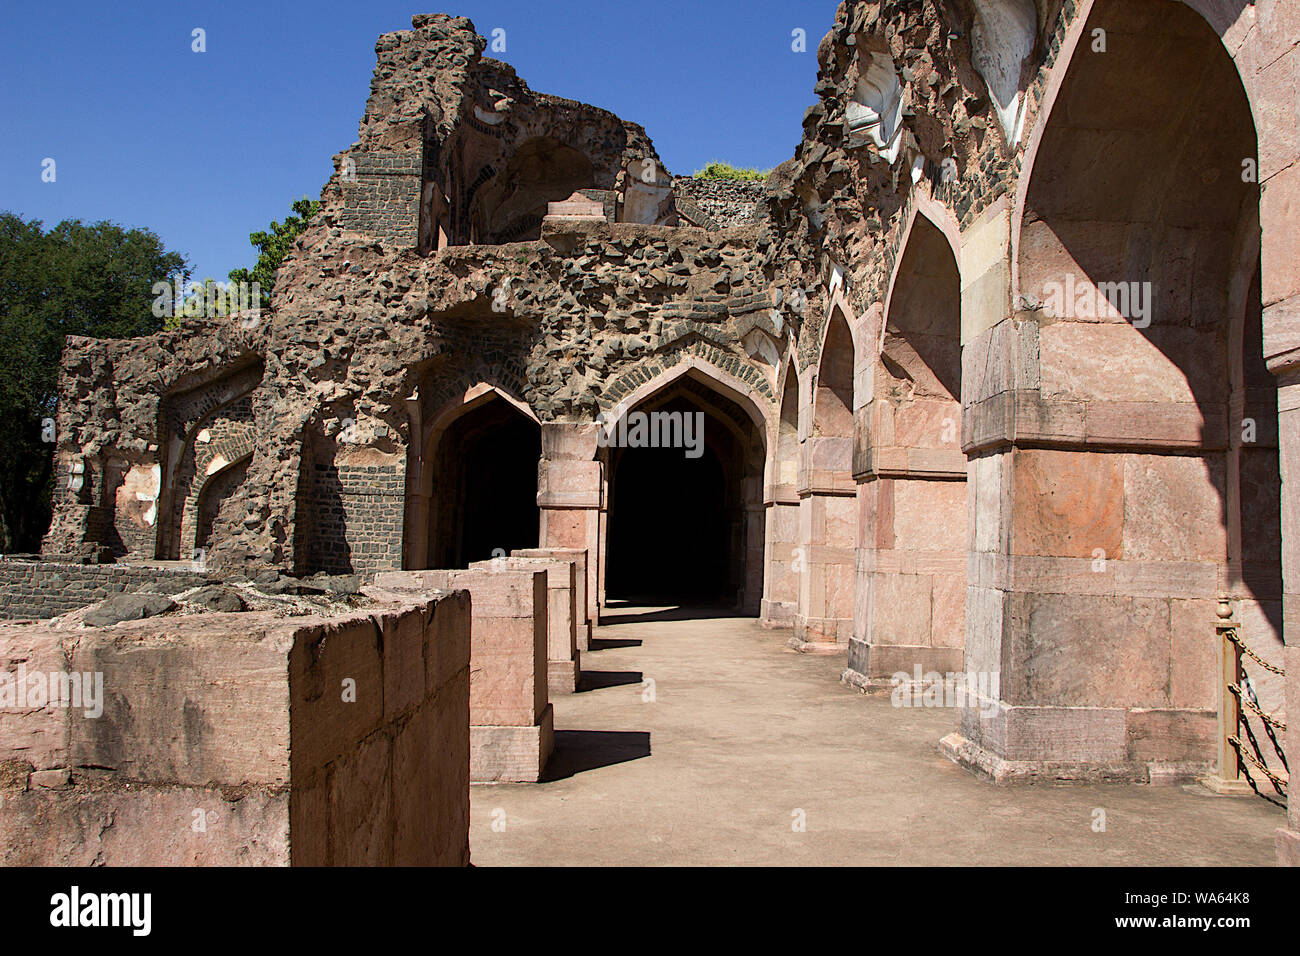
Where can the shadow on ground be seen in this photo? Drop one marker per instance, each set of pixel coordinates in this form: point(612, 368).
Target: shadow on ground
point(577, 751)
point(596, 680)
point(624, 613)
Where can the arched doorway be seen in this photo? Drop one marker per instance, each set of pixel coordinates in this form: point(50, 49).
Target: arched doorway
point(913, 481)
point(221, 492)
point(1119, 496)
point(685, 518)
point(828, 507)
point(483, 483)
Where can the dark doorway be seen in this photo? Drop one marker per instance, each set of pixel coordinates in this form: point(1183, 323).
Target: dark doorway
point(670, 541)
point(485, 487)
point(681, 529)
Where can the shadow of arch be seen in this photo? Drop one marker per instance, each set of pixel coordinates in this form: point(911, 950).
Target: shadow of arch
point(1138, 244)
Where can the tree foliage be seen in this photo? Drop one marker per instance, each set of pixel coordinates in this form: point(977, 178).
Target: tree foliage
point(273, 245)
point(91, 279)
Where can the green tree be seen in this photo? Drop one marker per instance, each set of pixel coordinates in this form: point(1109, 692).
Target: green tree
point(273, 245)
point(76, 279)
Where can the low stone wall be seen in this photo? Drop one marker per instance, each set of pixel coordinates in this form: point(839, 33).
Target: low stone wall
point(224, 739)
point(563, 659)
point(583, 599)
point(512, 723)
point(42, 589)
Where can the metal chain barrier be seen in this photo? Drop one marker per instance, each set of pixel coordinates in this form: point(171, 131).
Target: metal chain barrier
point(1248, 703)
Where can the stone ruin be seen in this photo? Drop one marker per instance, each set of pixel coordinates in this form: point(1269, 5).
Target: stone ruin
point(998, 375)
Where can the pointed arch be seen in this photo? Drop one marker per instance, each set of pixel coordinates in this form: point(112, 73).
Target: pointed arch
point(685, 521)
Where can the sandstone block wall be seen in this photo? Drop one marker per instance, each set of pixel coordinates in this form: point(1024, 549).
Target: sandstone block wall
point(231, 739)
point(511, 721)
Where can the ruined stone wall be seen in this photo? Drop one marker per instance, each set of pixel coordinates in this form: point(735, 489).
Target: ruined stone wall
point(727, 202)
point(42, 589)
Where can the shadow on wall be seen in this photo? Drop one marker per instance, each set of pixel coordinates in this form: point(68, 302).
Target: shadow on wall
point(1140, 242)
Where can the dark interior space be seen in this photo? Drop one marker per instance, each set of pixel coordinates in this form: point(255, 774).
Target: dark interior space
point(676, 528)
point(668, 531)
point(486, 486)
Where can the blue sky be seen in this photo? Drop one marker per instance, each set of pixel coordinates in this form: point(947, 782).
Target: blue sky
point(204, 148)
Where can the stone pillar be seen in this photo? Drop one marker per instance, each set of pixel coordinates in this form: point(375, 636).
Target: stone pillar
point(824, 557)
point(563, 659)
point(512, 729)
point(781, 584)
point(571, 496)
point(1288, 406)
point(910, 568)
point(581, 605)
point(911, 580)
point(1098, 540)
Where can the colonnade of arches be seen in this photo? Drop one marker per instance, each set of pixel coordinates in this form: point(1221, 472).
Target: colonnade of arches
point(1046, 463)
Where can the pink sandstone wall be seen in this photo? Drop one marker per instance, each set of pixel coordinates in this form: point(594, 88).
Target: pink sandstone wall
point(226, 739)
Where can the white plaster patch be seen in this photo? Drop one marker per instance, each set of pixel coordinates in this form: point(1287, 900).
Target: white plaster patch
point(1001, 40)
point(876, 109)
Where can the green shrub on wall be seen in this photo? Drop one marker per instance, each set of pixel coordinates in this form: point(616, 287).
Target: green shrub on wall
point(720, 170)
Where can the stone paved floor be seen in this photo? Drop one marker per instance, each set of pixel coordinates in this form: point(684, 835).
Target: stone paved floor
point(743, 733)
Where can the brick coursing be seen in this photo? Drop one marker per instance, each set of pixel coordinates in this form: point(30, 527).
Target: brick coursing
point(43, 589)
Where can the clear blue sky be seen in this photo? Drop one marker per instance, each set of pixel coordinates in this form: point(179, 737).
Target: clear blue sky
point(204, 148)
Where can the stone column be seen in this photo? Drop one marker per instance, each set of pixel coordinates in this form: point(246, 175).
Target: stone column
point(1288, 407)
point(1098, 542)
point(571, 496)
point(1269, 61)
point(827, 537)
point(911, 555)
point(781, 518)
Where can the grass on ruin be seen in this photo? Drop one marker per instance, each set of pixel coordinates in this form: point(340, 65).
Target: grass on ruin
point(720, 170)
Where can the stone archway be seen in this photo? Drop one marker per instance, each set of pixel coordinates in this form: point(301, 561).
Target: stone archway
point(218, 494)
point(685, 501)
point(1112, 477)
point(477, 481)
point(911, 575)
point(827, 499)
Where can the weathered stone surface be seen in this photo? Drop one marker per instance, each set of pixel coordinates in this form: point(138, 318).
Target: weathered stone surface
point(128, 607)
point(895, 277)
point(218, 598)
point(247, 739)
point(512, 730)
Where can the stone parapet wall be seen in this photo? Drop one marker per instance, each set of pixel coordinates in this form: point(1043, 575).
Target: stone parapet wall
point(233, 739)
